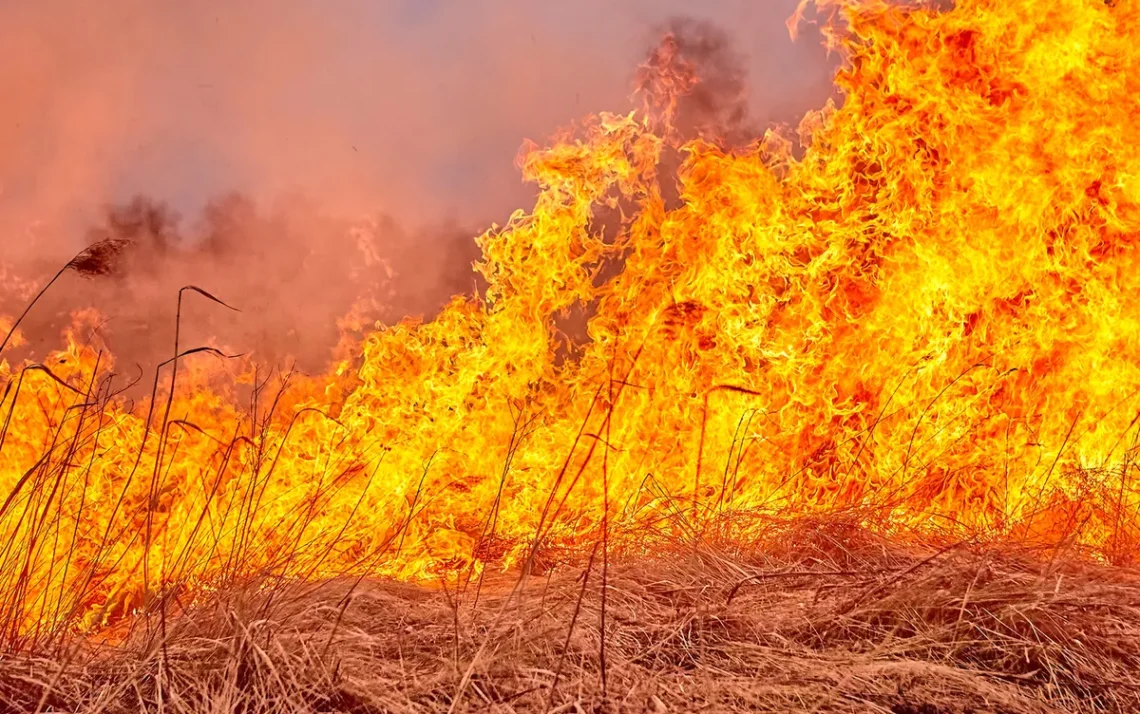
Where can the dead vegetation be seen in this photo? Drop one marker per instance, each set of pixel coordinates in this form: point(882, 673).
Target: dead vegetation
point(832, 620)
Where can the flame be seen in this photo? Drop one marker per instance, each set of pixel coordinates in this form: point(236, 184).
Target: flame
point(927, 322)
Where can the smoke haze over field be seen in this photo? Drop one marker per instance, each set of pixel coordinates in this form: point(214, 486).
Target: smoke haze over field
point(412, 111)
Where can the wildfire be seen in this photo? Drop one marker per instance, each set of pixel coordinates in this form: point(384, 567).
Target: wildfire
point(928, 322)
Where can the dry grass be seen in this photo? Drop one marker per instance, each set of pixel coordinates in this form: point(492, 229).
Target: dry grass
point(832, 620)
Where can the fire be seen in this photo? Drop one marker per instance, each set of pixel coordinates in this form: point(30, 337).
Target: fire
point(928, 322)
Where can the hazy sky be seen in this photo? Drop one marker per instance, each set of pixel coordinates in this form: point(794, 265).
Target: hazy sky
point(416, 106)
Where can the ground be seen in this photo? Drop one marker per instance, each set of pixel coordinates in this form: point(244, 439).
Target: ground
point(832, 620)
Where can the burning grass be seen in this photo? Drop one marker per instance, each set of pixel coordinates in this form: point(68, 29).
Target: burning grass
point(926, 326)
point(832, 620)
point(895, 322)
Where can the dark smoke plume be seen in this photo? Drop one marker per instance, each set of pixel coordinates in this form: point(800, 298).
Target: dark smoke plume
point(715, 106)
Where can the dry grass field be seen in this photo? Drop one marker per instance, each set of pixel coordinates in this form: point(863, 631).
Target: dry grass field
point(834, 620)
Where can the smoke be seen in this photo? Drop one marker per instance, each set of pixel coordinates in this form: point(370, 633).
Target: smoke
point(367, 143)
point(714, 103)
point(298, 275)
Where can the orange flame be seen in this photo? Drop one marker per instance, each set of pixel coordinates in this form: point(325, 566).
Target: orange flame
point(928, 322)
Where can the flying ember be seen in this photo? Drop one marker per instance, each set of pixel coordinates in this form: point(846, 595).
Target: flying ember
point(919, 311)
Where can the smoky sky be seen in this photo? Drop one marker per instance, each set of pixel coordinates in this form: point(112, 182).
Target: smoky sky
point(415, 106)
point(413, 110)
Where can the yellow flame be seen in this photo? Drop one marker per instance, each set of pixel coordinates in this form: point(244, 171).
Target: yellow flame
point(929, 320)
